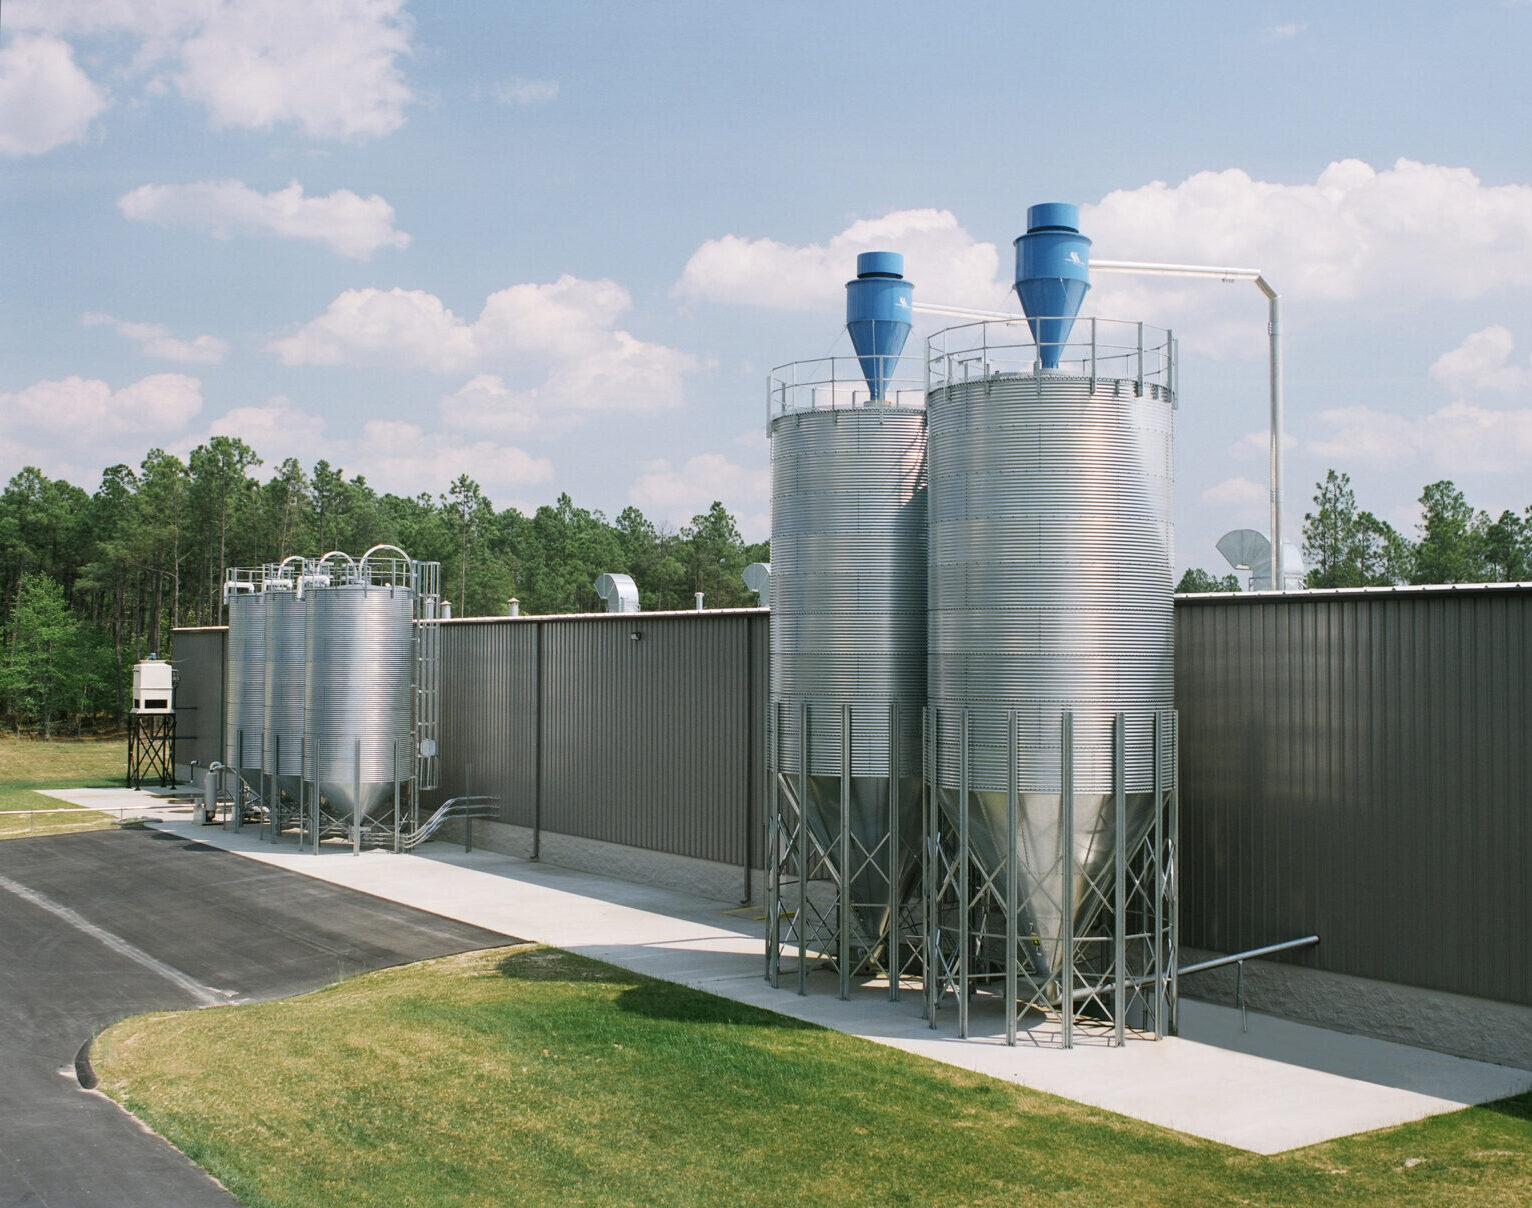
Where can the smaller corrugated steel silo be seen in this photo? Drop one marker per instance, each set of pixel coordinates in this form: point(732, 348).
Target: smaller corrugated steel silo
point(848, 631)
point(245, 674)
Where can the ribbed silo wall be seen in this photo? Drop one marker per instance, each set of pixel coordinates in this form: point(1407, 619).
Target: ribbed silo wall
point(1357, 765)
point(1050, 590)
point(581, 729)
point(848, 550)
point(198, 656)
point(358, 693)
point(286, 662)
point(245, 683)
point(848, 553)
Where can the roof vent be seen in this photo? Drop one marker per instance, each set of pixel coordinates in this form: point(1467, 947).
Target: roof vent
point(619, 592)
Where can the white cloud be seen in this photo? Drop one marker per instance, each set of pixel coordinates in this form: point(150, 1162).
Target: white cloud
point(45, 99)
point(485, 404)
point(526, 92)
point(278, 430)
point(1282, 33)
point(400, 458)
point(674, 495)
point(566, 331)
point(332, 69)
point(1257, 445)
point(1246, 500)
point(1458, 438)
point(156, 340)
point(409, 460)
point(89, 414)
point(1482, 362)
point(1405, 233)
point(401, 328)
point(349, 225)
point(945, 263)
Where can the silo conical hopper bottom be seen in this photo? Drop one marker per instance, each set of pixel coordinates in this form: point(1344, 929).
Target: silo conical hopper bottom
point(872, 869)
point(1041, 865)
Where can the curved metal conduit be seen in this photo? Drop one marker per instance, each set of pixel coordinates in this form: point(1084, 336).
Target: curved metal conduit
point(248, 798)
point(467, 808)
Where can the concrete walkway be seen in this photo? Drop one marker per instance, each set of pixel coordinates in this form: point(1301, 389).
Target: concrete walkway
point(1281, 1086)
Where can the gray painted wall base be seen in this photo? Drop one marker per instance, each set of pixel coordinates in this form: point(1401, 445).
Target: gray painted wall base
point(705, 878)
point(1480, 1028)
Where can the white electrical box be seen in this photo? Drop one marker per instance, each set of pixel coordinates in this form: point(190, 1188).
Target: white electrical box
point(154, 687)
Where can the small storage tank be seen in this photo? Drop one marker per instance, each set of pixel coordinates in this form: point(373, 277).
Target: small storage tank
point(847, 577)
point(153, 686)
point(1050, 454)
point(285, 662)
point(358, 688)
point(245, 674)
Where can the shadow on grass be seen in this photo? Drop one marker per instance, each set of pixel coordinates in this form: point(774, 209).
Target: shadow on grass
point(1517, 1107)
point(641, 995)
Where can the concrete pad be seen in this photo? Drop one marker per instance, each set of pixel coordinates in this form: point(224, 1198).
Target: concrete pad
point(1281, 1086)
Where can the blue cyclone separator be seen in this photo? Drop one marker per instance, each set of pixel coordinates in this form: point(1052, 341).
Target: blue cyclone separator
point(878, 316)
point(1052, 275)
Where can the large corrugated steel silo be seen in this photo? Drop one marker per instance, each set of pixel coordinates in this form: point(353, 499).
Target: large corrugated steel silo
point(1050, 460)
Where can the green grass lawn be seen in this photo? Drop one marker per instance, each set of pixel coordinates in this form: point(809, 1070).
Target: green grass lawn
point(531, 1076)
point(29, 764)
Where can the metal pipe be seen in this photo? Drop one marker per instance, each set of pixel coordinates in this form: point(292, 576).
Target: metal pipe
point(1239, 957)
point(1274, 332)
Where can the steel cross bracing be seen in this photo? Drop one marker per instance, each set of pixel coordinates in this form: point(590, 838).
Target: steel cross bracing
point(815, 915)
point(1114, 973)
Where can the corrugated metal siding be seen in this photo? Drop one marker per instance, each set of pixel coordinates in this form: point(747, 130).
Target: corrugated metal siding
point(654, 743)
point(199, 665)
point(1358, 766)
point(489, 715)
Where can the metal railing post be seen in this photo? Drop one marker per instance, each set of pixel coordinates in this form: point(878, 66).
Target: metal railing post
point(963, 863)
point(894, 956)
point(843, 920)
point(1120, 885)
point(1012, 841)
point(1067, 841)
point(801, 918)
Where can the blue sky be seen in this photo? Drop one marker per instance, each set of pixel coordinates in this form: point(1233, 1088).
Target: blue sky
point(558, 246)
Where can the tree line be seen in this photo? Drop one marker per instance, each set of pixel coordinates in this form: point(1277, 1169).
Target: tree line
point(1346, 546)
point(92, 582)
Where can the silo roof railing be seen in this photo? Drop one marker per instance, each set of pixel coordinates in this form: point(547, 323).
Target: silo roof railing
point(840, 384)
point(1095, 349)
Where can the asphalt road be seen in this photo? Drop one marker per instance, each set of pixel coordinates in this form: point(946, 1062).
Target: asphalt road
point(97, 926)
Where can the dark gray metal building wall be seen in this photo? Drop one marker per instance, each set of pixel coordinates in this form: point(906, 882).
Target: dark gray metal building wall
point(198, 659)
point(1356, 764)
point(582, 729)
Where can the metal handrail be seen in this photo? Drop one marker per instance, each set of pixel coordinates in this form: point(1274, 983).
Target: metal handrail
point(1238, 959)
point(840, 384)
point(1096, 349)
